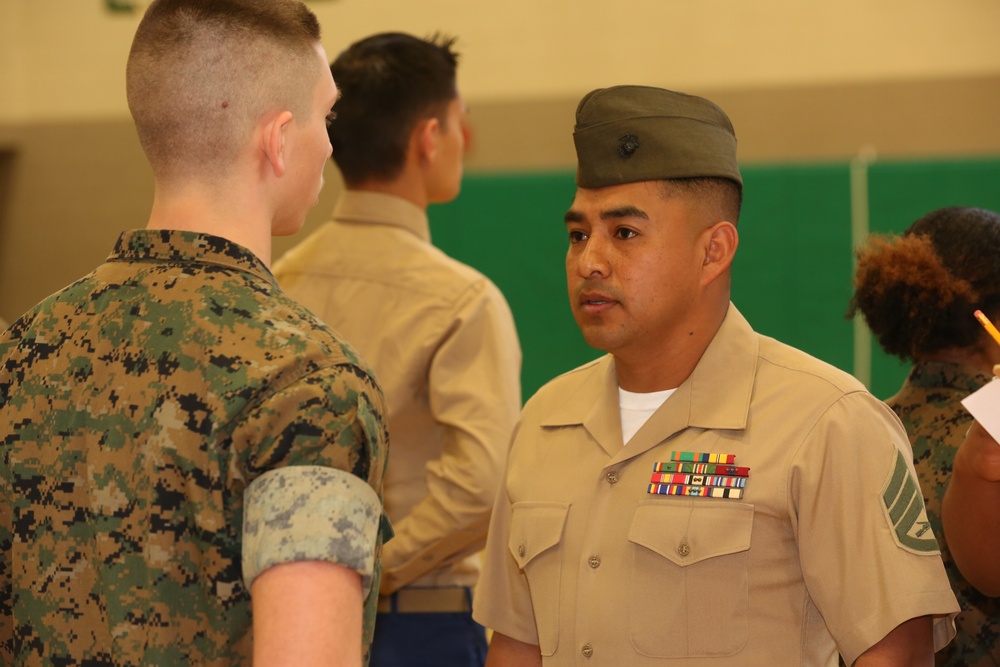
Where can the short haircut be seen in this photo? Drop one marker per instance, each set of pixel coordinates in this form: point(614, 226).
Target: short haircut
point(723, 197)
point(388, 83)
point(918, 291)
point(202, 73)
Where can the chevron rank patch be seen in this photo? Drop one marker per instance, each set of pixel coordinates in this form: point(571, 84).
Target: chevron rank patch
point(904, 510)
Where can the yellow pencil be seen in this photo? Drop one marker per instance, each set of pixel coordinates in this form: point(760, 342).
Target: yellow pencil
point(985, 321)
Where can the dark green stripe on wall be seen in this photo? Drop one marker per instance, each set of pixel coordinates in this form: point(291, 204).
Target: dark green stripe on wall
point(792, 274)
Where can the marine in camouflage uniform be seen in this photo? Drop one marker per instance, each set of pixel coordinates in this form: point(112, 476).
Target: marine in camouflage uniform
point(929, 406)
point(151, 414)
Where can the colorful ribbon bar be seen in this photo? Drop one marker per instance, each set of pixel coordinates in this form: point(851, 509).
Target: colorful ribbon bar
point(698, 480)
point(702, 457)
point(701, 468)
point(699, 491)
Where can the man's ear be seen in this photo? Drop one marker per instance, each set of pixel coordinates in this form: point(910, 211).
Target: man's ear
point(426, 135)
point(720, 248)
point(273, 140)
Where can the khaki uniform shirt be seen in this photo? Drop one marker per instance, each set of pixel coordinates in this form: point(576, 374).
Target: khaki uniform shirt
point(442, 341)
point(170, 426)
point(929, 405)
point(826, 550)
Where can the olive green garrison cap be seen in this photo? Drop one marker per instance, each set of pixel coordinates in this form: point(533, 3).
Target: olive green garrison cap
point(626, 134)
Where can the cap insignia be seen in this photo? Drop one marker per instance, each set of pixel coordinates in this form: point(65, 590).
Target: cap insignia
point(627, 145)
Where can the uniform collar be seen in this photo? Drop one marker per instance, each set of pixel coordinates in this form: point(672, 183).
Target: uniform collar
point(182, 247)
point(363, 207)
point(940, 374)
point(715, 396)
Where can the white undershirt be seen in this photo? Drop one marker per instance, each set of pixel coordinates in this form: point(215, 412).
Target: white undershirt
point(636, 409)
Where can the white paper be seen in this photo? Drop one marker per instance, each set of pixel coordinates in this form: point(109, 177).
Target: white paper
point(984, 404)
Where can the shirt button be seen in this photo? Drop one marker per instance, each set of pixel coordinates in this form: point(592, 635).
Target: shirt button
point(612, 477)
point(683, 550)
point(520, 550)
point(595, 562)
point(587, 650)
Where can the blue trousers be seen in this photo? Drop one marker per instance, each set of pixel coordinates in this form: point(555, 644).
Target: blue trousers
point(428, 640)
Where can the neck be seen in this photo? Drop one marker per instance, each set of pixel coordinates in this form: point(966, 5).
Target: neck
point(671, 359)
point(241, 219)
point(405, 186)
point(982, 356)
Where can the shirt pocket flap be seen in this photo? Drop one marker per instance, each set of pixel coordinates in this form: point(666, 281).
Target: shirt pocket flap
point(691, 532)
point(535, 528)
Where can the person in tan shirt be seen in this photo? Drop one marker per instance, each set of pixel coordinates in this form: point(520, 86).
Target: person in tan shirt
point(702, 494)
point(439, 335)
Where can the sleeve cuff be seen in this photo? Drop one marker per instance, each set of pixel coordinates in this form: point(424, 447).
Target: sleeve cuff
point(301, 513)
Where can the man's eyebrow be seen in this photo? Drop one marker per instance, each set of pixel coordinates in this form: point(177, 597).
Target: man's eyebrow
point(626, 211)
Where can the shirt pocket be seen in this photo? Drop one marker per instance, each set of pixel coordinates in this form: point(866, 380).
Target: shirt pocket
point(688, 592)
point(536, 530)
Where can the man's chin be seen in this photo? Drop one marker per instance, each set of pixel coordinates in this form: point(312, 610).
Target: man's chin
point(287, 228)
point(596, 338)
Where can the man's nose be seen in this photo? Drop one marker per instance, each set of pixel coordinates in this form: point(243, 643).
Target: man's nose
point(595, 260)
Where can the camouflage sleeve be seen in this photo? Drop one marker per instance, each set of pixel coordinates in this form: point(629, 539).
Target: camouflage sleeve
point(310, 513)
point(333, 417)
point(314, 453)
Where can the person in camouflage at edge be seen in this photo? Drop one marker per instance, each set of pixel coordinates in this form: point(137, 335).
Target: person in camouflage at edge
point(918, 292)
point(176, 434)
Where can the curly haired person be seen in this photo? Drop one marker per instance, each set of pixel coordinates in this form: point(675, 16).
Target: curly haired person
point(918, 291)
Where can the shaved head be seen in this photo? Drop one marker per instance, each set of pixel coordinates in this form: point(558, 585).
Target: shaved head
point(719, 198)
point(202, 73)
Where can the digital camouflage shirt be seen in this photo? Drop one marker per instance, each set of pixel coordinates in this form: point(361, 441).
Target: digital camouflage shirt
point(142, 410)
point(929, 405)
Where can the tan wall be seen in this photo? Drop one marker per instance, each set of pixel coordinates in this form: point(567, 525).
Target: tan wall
point(802, 81)
point(65, 59)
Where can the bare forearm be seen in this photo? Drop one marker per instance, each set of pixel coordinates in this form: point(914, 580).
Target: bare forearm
point(507, 652)
point(909, 644)
point(307, 614)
